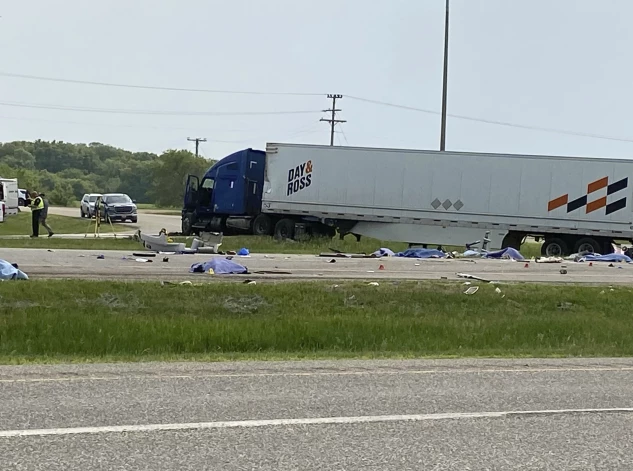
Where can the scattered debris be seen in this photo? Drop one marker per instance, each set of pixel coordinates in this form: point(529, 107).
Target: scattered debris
point(498, 290)
point(472, 290)
point(165, 259)
point(143, 254)
point(343, 255)
point(472, 277)
point(383, 252)
point(563, 271)
point(11, 271)
point(373, 283)
point(182, 283)
point(100, 257)
point(332, 261)
point(565, 306)
point(548, 260)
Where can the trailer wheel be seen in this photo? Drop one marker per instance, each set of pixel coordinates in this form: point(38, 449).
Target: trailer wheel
point(285, 229)
point(262, 225)
point(554, 247)
point(587, 244)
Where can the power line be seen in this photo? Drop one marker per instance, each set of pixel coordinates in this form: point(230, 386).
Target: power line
point(152, 112)
point(305, 129)
point(130, 126)
point(344, 136)
point(151, 87)
point(243, 92)
point(491, 121)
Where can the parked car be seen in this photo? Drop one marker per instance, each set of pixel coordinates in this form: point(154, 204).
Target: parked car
point(88, 204)
point(119, 207)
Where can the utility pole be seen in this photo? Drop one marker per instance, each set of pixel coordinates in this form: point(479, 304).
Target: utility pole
point(197, 140)
point(444, 84)
point(333, 121)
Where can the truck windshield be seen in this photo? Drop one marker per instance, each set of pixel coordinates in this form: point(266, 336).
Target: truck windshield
point(118, 199)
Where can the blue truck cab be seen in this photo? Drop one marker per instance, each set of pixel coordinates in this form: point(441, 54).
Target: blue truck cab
point(229, 196)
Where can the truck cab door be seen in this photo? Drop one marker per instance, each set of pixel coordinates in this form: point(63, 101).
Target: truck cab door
point(225, 196)
point(191, 192)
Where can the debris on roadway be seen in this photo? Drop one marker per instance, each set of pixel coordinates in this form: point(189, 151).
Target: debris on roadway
point(11, 271)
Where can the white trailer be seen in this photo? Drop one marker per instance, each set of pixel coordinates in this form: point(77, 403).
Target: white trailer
point(453, 198)
point(9, 195)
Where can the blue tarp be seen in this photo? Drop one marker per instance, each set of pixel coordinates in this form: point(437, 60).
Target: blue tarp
point(9, 272)
point(614, 257)
point(505, 253)
point(220, 266)
point(421, 253)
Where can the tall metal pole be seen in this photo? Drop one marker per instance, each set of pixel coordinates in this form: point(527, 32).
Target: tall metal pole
point(444, 84)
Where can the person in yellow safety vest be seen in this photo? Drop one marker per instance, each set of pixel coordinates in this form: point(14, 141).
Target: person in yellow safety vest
point(37, 205)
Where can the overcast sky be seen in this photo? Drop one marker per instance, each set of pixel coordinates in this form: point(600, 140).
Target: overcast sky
point(560, 64)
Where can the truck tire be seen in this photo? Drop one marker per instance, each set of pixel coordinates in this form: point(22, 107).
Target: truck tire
point(588, 244)
point(186, 224)
point(554, 247)
point(285, 229)
point(262, 225)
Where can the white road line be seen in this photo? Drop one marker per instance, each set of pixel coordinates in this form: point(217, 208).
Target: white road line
point(291, 422)
point(315, 374)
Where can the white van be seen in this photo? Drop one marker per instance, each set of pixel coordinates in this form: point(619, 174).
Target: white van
point(9, 195)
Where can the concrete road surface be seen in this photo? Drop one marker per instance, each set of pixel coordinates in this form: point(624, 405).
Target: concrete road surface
point(353, 415)
point(148, 222)
point(40, 263)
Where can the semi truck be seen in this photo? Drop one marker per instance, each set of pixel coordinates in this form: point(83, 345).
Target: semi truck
point(572, 204)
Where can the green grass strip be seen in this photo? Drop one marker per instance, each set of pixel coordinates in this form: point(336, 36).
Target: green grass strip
point(94, 321)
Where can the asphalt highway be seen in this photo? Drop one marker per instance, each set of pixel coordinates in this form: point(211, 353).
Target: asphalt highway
point(354, 415)
point(84, 264)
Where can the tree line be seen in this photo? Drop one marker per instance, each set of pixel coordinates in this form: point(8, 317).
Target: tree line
point(65, 171)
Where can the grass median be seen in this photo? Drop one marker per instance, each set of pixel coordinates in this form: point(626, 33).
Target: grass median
point(20, 224)
point(49, 321)
point(256, 244)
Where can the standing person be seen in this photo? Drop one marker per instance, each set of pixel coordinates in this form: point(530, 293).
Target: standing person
point(37, 206)
point(44, 215)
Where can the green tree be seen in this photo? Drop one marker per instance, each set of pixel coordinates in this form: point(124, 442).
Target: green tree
point(61, 195)
point(170, 175)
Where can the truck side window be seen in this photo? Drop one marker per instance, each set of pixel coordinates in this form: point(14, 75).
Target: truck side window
point(206, 191)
